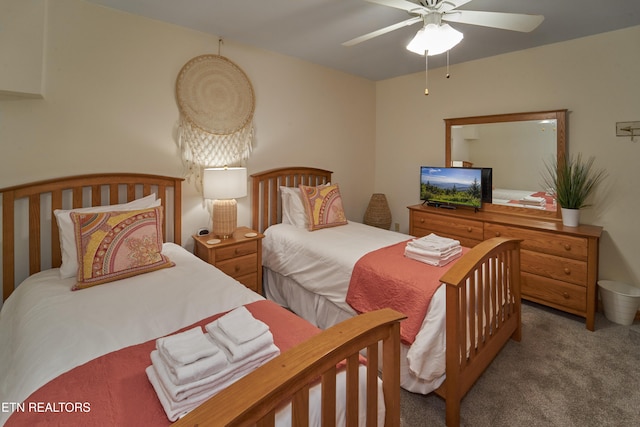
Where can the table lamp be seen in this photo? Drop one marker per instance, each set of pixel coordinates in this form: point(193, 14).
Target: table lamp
point(223, 186)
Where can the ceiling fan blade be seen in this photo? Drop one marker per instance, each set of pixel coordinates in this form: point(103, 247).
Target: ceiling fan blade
point(382, 31)
point(505, 21)
point(399, 4)
point(448, 5)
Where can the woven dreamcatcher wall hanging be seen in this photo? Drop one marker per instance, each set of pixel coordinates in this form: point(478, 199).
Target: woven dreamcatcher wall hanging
point(216, 103)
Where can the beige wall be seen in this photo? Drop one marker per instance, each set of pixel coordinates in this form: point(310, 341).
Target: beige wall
point(595, 78)
point(109, 106)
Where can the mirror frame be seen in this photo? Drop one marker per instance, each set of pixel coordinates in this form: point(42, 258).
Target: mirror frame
point(559, 115)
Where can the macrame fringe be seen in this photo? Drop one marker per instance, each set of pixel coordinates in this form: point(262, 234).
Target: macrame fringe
point(201, 149)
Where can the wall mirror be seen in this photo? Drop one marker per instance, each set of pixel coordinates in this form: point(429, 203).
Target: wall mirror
point(515, 146)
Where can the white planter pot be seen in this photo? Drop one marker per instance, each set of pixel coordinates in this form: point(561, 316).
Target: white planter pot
point(570, 217)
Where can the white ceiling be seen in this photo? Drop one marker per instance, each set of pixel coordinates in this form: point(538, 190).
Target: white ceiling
point(314, 30)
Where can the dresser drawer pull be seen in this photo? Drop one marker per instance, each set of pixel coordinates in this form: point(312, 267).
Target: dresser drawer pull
point(567, 271)
point(469, 230)
point(421, 220)
point(565, 295)
point(567, 247)
point(237, 268)
point(497, 234)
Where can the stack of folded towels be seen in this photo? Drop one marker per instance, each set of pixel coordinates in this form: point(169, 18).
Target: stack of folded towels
point(433, 250)
point(189, 367)
point(533, 201)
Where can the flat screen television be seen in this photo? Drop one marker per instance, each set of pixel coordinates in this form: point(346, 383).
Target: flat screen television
point(451, 187)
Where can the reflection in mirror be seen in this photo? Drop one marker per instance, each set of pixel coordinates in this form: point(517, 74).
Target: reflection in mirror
point(515, 146)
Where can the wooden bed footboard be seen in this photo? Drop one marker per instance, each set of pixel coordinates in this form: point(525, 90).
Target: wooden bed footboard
point(254, 398)
point(483, 313)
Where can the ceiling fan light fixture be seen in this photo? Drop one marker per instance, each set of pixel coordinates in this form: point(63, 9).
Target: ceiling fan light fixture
point(434, 39)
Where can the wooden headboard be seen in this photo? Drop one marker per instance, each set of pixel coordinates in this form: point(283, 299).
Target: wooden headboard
point(265, 196)
point(28, 220)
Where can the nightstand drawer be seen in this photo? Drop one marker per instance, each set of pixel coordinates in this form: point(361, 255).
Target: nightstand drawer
point(250, 281)
point(237, 250)
point(239, 266)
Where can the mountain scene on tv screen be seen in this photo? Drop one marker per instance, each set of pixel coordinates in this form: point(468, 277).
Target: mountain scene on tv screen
point(458, 186)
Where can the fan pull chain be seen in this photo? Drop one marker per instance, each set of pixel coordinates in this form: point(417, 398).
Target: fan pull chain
point(448, 75)
point(220, 43)
point(426, 72)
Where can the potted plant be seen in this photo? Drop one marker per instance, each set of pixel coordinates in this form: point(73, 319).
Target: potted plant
point(572, 180)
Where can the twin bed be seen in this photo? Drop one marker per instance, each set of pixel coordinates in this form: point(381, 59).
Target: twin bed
point(52, 339)
point(79, 357)
point(311, 272)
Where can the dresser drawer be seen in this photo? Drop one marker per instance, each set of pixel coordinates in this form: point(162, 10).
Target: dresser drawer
point(239, 266)
point(554, 293)
point(236, 251)
point(448, 226)
point(554, 267)
point(420, 232)
point(541, 241)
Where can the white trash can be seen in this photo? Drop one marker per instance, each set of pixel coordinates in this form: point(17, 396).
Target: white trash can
point(620, 300)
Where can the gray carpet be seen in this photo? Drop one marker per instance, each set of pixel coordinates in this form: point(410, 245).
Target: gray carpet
point(560, 374)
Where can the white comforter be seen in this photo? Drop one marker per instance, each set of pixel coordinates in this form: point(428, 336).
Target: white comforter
point(46, 330)
point(321, 261)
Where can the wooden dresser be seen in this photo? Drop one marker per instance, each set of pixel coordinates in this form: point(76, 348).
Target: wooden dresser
point(559, 264)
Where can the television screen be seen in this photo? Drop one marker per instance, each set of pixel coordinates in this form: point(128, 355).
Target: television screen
point(451, 186)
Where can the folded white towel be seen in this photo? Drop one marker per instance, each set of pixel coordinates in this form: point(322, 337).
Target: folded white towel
point(534, 199)
point(240, 325)
point(235, 351)
point(435, 261)
point(429, 252)
point(213, 382)
point(183, 374)
point(435, 243)
point(527, 202)
point(188, 346)
point(173, 409)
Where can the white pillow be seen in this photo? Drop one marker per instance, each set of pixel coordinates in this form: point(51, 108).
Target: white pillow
point(293, 211)
point(69, 266)
point(292, 208)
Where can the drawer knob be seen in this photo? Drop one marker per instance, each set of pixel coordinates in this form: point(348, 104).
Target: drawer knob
point(567, 247)
point(237, 268)
point(567, 271)
point(565, 295)
point(469, 229)
point(497, 234)
point(421, 220)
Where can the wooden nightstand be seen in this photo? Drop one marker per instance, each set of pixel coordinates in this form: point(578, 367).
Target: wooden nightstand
point(238, 256)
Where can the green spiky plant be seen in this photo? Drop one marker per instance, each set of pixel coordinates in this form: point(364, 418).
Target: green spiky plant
point(573, 180)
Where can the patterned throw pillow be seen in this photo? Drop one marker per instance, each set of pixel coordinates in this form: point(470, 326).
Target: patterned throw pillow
point(115, 245)
point(323, 205)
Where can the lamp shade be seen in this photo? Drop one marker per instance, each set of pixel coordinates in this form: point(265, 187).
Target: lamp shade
point(434, 39)
point(224, 183)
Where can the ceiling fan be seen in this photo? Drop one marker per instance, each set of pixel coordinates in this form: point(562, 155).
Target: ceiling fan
point(435, 37)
